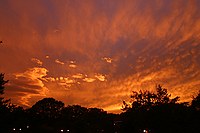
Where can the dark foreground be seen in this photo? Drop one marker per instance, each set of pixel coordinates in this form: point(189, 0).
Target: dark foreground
point(77, 119)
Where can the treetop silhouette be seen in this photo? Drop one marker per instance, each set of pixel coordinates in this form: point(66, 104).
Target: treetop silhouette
point(2, 83)
point(146, 99)
point(47, 108)
point(196, 102)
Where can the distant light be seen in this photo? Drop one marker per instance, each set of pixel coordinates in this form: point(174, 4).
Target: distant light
point(20, 129)
point(27, 126)
point(61, 130)
point(67, 130)
point(13, 129)
point(144, 131)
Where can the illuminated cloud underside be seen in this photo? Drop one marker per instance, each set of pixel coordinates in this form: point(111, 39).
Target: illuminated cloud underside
point(94, 53)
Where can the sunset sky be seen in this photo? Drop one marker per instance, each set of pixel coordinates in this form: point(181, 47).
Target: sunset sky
point(96, 52)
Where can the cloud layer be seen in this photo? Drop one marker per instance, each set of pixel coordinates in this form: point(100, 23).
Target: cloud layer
point(95, 52)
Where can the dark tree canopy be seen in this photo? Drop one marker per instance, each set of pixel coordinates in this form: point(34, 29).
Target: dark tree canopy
point(5, 105)
point(196, 102)
point(47, 108)
point(74, 111)
point(146, 99)
point(2, 83)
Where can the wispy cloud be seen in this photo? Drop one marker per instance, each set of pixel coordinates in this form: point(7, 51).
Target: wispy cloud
point(130, 44)
point(37, 61)
point(78, 76)
point(59, 62)
point(100, 77)
point(28, 84)
point(89, 80)
point(72, 66)
point(108, 60)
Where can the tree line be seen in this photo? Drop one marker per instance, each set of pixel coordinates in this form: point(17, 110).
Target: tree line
point(148, 112)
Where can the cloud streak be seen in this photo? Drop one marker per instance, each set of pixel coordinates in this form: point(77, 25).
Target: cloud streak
point(27, 84)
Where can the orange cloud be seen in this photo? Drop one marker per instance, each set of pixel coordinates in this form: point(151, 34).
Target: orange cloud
point(89, 80)
point(142, 43)
point(108, 60)
point(72, 65)
point(59, 62)
point(37, 61)
point(78, 76)
point(47, 56)
point(100, 77)
point(28, 84)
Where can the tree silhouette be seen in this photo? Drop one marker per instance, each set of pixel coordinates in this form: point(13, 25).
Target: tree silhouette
point(146, 99)
point(4, 104)
point(87, 120)
point(74, 112)
point(6, 108)
point(98, 120)
point(2, 83)
point(73, 116)
point(196, 102)
point(47, 108)
point(158, 112)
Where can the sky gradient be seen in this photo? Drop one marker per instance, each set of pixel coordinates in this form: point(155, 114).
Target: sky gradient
point(96, 52)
